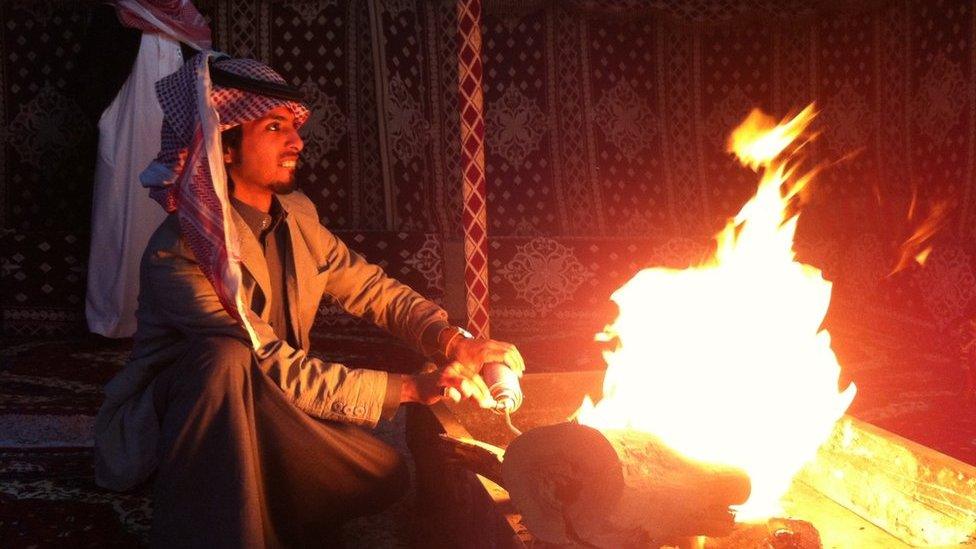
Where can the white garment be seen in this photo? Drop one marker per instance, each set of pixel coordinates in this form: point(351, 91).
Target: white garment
point(123, 215)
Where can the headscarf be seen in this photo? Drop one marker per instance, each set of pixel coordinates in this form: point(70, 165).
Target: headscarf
point(178, 19)
point(188, 176)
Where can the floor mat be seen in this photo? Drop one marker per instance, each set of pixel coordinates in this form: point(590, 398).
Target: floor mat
point(50, 391)
point(48, 498)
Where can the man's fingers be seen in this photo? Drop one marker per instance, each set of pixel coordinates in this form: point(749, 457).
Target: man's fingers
point(466, 384)
point(475, 387)
point(515, 361)
point(482, 394)
point(452, 394)
point(506, 353)
point(476, 352)
point(495, 352)
point(457, 370)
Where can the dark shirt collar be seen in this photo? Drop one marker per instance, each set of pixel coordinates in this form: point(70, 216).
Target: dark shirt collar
point(260, 223)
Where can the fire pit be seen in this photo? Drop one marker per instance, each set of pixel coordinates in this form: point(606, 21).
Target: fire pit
point(866, 489)
point(720, 385)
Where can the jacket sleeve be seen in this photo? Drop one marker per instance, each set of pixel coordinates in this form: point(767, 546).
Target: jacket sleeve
point(185, 300)
point(364, 290)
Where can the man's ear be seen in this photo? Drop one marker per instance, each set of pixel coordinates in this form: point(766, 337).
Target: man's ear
point(229, 155)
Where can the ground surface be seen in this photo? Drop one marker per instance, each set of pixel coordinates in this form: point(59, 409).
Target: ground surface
point(51, 389)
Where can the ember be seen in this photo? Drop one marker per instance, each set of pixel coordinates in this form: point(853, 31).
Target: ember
point(726, 361)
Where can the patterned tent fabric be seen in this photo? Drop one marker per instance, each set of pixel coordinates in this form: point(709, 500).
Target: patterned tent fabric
point(604, 132)
point(697, 12)
point(604, 146)
point(473, 215)
point(605, 153)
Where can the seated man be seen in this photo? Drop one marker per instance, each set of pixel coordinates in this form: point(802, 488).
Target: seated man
point(253, 442)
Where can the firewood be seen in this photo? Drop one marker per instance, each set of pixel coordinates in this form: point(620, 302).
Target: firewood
point(776, 533)
point(922, 497)
point(575, 484)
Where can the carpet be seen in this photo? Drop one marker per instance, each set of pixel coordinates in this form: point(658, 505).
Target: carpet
point(50, 391)
point(48, 498)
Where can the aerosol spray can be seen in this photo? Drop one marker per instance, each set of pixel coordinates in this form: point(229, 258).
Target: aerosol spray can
point(504, 386)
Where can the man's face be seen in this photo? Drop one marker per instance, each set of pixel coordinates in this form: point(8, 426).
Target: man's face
point(268, 155)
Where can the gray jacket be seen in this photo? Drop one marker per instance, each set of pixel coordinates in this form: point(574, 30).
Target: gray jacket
point(177, 302)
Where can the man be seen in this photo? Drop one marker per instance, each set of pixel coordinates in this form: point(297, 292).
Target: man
point(220, 397)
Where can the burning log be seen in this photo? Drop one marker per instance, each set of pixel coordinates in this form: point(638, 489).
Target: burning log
point(777, 533)
point(922, 497)
point(761, 313)
point(575, 484)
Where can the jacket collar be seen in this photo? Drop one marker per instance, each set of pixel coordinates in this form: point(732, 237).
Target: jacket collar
point(296, 267)
point(252, 255)
point(261, 223)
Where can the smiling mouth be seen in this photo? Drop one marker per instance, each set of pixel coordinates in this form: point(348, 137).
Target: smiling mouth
point(289, 163)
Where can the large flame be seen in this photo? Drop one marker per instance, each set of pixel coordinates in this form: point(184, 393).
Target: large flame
point(726, 361)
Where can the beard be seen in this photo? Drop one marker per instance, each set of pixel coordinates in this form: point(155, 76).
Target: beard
point(263, 175)
point(287, 185)
point(284, 186)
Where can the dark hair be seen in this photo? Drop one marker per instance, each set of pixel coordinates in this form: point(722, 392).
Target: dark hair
point(231, 137)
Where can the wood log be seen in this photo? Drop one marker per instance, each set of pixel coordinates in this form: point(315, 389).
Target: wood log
point(922, 497)
point(575, 484)
point(776, 533)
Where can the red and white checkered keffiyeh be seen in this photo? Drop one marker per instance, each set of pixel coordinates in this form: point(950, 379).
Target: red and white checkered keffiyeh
point(188, 176)
point(178, 19)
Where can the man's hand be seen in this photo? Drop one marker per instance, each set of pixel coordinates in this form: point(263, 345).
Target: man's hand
point(472, 353)
point(452, 381)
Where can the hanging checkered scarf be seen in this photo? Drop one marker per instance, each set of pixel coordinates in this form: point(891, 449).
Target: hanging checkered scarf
point(178, 19)
point(188, 176)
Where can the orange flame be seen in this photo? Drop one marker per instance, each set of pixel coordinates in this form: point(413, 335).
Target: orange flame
point(917, 247)
point(759, 139)
point(726, 361)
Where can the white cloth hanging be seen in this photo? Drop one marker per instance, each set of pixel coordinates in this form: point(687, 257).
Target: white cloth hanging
point(123, 215)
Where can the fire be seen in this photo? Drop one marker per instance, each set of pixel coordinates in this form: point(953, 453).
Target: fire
point(726, 361)
point(917, 247)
